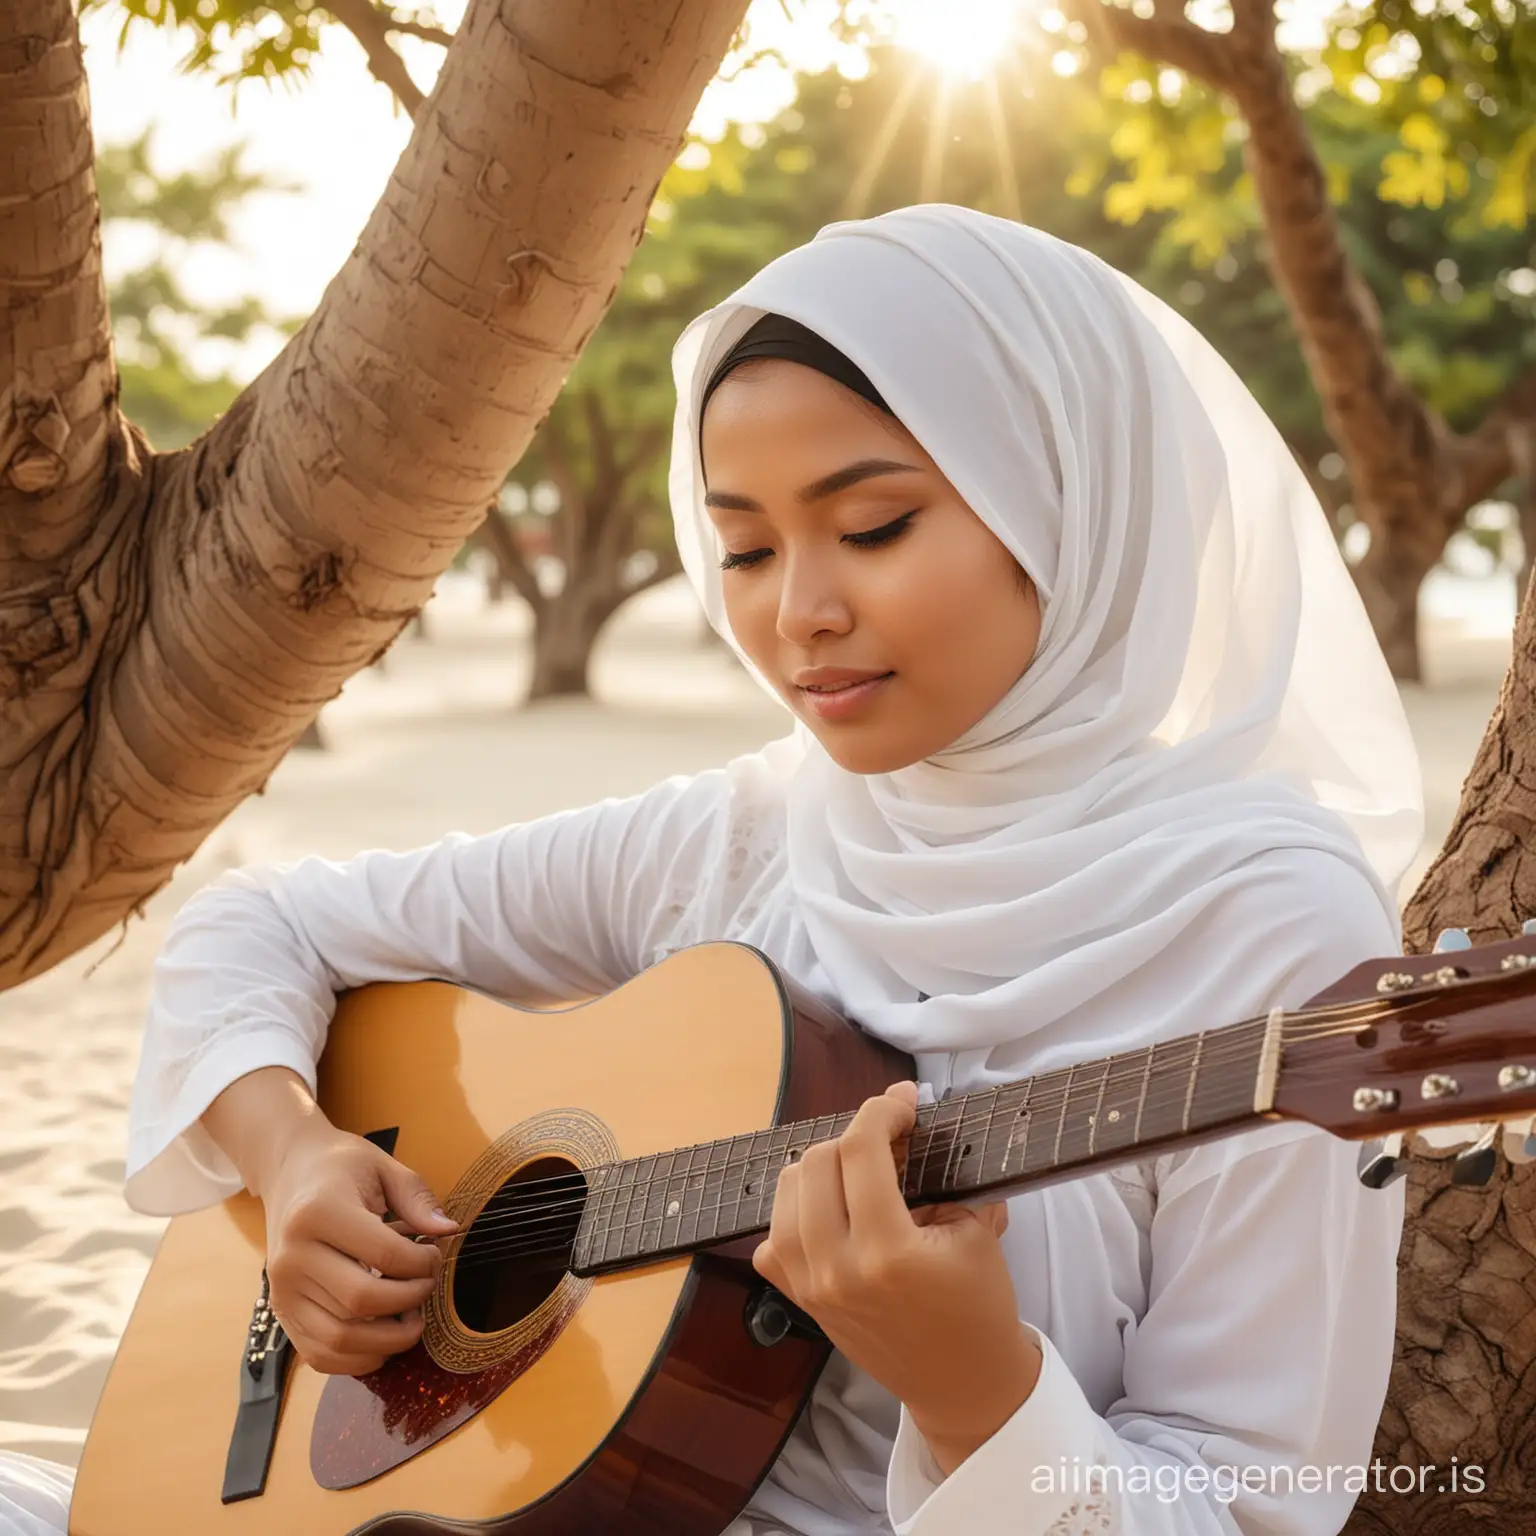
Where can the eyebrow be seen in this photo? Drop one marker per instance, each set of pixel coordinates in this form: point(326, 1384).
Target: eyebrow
point(818, 490)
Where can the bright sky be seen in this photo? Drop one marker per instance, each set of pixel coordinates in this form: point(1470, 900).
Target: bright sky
point(338, 135)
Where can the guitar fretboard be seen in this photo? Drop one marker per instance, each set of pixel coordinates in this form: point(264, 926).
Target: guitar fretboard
point(1055, 1124)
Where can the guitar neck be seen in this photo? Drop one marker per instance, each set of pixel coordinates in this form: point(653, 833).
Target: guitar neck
point(1055, 1125)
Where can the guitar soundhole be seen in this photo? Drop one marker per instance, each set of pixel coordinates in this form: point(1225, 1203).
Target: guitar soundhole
point(518, 1247)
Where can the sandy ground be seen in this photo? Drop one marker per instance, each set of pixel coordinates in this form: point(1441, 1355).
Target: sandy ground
point(430, 742)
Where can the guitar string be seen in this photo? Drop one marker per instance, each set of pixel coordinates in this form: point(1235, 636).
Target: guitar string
point(1299, 1027)
point(1226, 1042)
point(919, 1139)
point(921, 1145)
point(1239, 1036)
point(513, 1243)
point(1121, 1070)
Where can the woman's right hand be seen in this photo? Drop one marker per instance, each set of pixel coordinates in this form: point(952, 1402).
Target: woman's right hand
point(325, 1198)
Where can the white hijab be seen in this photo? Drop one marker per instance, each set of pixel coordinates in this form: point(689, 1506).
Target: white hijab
point(1206, 689)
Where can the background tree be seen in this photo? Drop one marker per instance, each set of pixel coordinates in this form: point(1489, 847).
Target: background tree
point(1457, 86)
point(156, 325)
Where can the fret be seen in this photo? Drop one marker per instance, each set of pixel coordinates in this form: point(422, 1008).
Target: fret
point(652, 1204)
point(956, 1129)
point(1227, 1078)
point(1165, 1111)
point(1018, 1128)
point(673, 1190)
point(1075, 1132)
point(770, 1179)
point(1061, 1119)
point(752, 1177)
point(930, 1114)
point(722, 1151)
point(1194, 1072)
point(629, 1229)
point(602, 1183)
point(1114, 1123)
point(1098, 1108)
point(986, 1136)
point(692, 1199)
point(1146, 1083)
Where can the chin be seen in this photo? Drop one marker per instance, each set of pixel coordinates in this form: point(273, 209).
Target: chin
point(865, 755)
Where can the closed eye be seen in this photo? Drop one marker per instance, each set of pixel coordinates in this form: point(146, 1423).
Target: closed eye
point(883, 534)
point(871, 538)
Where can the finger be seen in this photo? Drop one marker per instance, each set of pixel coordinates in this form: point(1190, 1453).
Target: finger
point(411, 1200)
point(877, 1210)
point(784, 1231)
point(352, 1340)
point(359, 1293)
point(823, 1212)
point(360, 1235)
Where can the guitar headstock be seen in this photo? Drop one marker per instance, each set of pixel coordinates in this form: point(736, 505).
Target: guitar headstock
point(1418, 1042)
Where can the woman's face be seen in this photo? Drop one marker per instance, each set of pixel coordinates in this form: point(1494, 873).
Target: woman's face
point(882, 609)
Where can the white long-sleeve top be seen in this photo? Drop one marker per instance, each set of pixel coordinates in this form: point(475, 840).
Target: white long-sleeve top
point(1216, 1324)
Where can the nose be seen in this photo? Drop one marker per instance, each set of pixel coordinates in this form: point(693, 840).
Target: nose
point(811, 599)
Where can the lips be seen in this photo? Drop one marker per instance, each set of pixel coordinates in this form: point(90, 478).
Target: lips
point(834, 679)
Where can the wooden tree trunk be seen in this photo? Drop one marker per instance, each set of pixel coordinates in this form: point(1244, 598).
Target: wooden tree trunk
point(170, 624)
point(565, 631)
point(1389, 577)
point(1464, 1377)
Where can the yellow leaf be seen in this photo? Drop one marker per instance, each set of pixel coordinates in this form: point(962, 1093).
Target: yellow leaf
point(1507, 204)
point(1132, 137)
point(1081, 182)
point(1124, 203)
point(1431, 88)
point(1419, 287)
point(1402, 179)
point(1423, 133)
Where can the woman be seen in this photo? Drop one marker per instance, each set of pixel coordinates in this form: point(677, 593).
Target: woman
point(1093, 748)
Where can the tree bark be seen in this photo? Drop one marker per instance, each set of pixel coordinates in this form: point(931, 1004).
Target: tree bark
point(1464, 1374)
point(567, 625)
point(169, 624)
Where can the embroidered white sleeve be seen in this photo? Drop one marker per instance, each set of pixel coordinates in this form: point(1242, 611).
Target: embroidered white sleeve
point(572, 903)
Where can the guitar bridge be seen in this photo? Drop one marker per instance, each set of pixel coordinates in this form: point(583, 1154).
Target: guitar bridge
point(263, 1372)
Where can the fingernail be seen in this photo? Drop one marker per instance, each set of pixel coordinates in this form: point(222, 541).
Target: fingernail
point(441, 1214)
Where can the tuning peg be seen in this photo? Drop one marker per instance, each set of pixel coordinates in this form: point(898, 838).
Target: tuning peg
point(1475, 1166)
point(1382, 1161)
point(1452, 938)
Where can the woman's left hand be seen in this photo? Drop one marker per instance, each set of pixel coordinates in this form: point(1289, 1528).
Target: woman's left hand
point(922, 1300)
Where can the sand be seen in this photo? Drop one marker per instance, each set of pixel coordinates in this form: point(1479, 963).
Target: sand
point(430, 742)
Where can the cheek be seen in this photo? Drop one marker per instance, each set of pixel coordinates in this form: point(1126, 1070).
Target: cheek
point(752, 611)
point(968, 613)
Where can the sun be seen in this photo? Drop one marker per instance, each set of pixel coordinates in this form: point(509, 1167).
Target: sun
point(961, 38)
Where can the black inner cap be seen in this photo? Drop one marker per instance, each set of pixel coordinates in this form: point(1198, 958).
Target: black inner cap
point(778, 336)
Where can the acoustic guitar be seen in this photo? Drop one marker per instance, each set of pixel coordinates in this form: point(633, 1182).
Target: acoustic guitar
point(599, 1358)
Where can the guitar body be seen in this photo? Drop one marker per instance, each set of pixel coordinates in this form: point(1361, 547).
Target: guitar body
point(633, 1404)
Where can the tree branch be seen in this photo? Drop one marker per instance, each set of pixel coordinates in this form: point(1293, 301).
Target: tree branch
point(401, 24)
point(1167, 37)
point(232, 588)
point(1483, 456)
point(496, 535)
point(371, 27)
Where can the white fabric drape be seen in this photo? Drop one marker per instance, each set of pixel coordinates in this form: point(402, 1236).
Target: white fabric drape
point(1206, 689)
